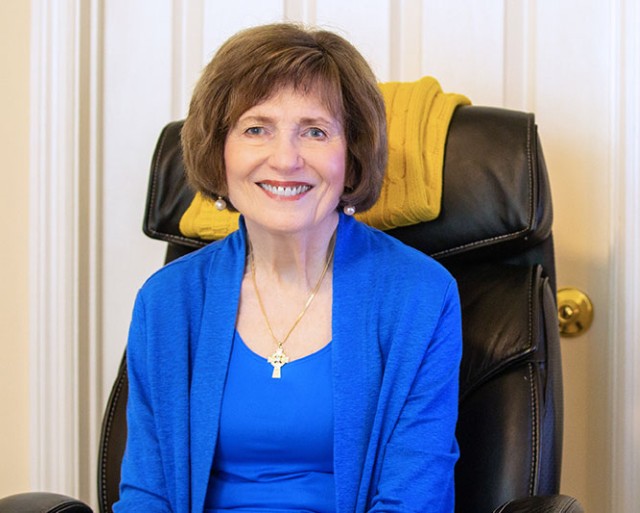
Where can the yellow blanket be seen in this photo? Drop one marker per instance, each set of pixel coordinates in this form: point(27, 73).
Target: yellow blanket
point(418, 116)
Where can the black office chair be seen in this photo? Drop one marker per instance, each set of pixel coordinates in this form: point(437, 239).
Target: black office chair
point(494, 235)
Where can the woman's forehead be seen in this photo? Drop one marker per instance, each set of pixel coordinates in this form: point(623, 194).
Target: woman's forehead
point(318, 90)
point(307, 104)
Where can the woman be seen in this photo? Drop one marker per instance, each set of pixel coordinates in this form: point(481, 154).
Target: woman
point(306, 362)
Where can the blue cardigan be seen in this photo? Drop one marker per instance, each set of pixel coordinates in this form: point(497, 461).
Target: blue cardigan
point(396, 349)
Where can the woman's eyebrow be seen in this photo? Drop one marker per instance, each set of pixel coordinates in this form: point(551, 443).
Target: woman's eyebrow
point(319, 120)
point(307, 120)
point(256, 119)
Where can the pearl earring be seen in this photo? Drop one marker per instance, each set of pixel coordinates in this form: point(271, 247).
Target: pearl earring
point(349, 210)
point(220, 204)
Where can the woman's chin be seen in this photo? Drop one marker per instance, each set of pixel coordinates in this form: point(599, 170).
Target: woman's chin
point(291, 222)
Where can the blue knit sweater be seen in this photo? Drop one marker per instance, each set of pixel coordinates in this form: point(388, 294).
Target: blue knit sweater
point(396, 349)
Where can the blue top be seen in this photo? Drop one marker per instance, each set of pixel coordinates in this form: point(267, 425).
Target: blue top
point(275, 444)
point(395, 344)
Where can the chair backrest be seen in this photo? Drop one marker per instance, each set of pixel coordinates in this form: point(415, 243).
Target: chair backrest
point(494, 235)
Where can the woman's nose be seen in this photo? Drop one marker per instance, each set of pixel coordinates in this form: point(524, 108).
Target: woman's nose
point(285, 153)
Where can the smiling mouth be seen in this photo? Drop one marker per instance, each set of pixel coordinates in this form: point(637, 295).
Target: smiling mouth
point(285, 191)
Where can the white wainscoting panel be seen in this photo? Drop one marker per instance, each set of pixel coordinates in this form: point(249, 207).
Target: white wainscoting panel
point(223, 19)
point(54, 280)
point(519, 55)
point(365, 24)
point(464, 47)
point(302, 11)
point(406, 43)
point(625, 222)
point(187, 52)
point(64, 246)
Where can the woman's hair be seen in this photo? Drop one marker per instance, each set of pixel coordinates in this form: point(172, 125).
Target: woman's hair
point(258, 62)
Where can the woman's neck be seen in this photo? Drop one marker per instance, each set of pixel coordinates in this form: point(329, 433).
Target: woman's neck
point(290, 260)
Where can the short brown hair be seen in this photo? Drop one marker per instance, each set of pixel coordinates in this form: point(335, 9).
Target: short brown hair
point(256, 63)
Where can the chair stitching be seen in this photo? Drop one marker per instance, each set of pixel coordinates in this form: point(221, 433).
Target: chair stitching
point(569, 505)
point(152, 200)
point(167, 237)
point(496, 238)
point(108, 426)
point(530, 301)
point(500, 509)
point(154, 175)
point(534, 433)
point(68, 507)
point(532, 388)
point(530, 169)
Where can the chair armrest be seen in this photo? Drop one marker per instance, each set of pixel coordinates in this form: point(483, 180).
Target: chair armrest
point(42, 502)
point(542, 504)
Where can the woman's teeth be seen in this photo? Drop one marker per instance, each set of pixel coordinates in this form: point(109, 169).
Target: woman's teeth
point(280, 190)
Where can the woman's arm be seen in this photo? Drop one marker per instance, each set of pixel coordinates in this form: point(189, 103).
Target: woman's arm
point(418, 462)
point(142, 486)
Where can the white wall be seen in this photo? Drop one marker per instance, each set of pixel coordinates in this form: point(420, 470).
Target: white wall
point(132, 64)
point(14, 255)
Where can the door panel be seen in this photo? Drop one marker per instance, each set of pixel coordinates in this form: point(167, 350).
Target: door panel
point(552, 58)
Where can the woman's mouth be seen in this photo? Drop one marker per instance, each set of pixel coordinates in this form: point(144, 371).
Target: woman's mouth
point(284, 190)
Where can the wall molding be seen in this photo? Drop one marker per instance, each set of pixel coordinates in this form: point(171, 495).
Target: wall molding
point(406, 41)
point(187, 53)
point(520, 29)
point(304, 11)
point(625, 279)
point(64, 246)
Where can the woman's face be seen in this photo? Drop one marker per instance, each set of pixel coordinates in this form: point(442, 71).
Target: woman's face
point(285, 161)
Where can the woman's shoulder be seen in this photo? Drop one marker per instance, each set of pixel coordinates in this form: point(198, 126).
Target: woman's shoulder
point(395, 258)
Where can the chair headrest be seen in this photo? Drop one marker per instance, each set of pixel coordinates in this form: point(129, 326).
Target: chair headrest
point(496, 195)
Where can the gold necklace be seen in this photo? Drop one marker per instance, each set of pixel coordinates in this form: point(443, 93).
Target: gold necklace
point(279, 357)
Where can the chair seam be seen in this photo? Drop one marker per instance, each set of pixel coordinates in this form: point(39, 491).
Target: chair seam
point(167, 237)
point(533, 477)
point(534, 433)
point(154, 174)
point(500, 509)
point(496, 238)
point(67, 506)
point(569, 505)
point(564, 506)
point(108, 426)
point(530, 169)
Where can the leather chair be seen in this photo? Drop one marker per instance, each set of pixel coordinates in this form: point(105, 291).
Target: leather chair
point(494, 235)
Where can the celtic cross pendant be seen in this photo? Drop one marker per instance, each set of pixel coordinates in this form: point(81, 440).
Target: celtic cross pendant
point(278, 359)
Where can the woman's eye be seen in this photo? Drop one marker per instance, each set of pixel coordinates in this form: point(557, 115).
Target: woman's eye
point(316, 133)
point(254, 130)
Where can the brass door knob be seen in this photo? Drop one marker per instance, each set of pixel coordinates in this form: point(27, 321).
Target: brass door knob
point(575, 312)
